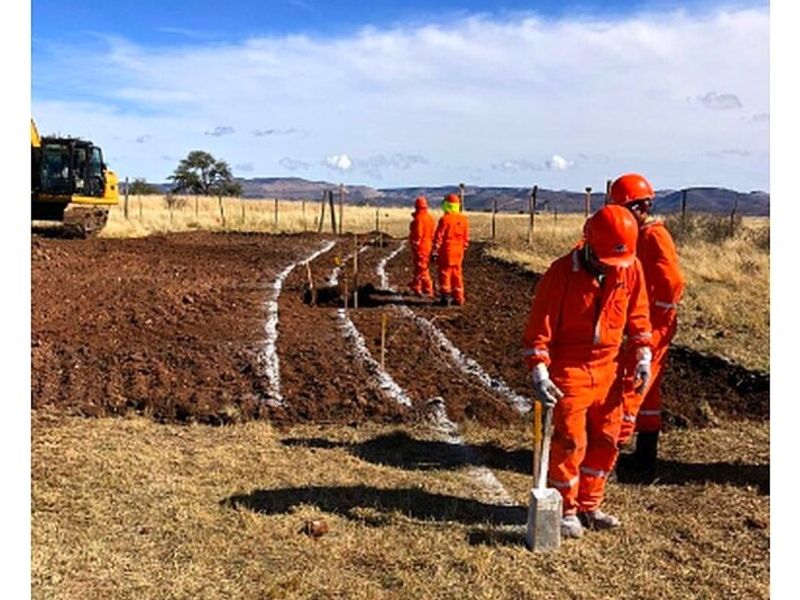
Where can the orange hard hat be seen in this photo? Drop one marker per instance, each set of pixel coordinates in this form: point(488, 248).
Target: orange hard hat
point(421, 203)
point(454, 198)
point(611, 234)
point(630, 188)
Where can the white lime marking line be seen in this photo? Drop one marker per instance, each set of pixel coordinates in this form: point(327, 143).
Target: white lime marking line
point(466, 364)
point(272, 368)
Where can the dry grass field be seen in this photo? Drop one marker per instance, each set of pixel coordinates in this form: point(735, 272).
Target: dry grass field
point(126, 508)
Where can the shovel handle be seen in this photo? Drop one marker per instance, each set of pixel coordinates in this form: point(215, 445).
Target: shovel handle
point(541, 482)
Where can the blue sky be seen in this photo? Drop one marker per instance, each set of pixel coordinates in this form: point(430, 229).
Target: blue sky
point(414, 93)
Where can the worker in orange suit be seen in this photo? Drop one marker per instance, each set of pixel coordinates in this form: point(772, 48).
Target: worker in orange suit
point(664, 281)
point(420, 238)
point(450, 241)
point(583, 305)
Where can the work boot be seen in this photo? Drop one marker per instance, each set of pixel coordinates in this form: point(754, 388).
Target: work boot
point(645, 455)
point(446, 300)
point(597, 520)
point(571, 527)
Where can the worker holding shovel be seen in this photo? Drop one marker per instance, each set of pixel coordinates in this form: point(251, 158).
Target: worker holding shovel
point(664, 281)
point(420, 238)
point(584, 303)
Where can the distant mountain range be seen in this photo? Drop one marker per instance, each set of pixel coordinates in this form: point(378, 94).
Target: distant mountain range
point(509, 199)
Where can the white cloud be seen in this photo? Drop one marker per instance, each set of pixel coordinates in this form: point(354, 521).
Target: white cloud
point(339, 162)
point(468, 92)
point(558, 163)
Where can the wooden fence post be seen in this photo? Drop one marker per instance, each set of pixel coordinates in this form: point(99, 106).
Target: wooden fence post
point(733, 217)
point(322, 214)
point(683, 209)
point(532, 213)
point(221, 209)
point(461, 188)
point(244, 217)
point(608, 191)
point(333, 212)
point(341, 207)
point(126, 198)
point(588, 203)
point(377, 219)
point(276, 210)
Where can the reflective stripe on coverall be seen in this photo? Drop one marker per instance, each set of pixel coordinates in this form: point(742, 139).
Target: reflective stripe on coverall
point(575, 326)
point(420, 238)
point(450, 242)
point(664, 281)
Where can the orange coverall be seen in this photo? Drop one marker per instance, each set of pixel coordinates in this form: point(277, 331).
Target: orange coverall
point(664, 281)
point(420, 238)
point(450, 242)
point(575, 326)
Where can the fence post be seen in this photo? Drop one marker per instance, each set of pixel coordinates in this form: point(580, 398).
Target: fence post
point(221, 209)
point(608, 191)
point(126, 198)
point(733, 216)
point(341, 207)
point(322, 214)
point(683, 209)
point(588, 203)
point(532, 213)
point(333, 212)
point(461, 188)
point(241, 201)
point(378, 220)
point(304, 214)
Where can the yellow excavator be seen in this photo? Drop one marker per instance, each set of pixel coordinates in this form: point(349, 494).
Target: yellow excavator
point(71, 186)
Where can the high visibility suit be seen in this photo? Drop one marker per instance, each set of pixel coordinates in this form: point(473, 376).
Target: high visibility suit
point(420, 239)
point(665, 283)
point(450, 241)
point(575, 327)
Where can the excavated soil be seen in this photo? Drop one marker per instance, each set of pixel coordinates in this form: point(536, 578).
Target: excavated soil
point(174, 327)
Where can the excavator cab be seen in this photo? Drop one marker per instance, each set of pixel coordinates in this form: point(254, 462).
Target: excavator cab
point(70, 184)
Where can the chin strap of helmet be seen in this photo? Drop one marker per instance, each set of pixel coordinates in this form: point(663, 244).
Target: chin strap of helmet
point(591, 264)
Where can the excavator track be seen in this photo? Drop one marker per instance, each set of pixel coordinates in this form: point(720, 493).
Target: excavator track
point(84, 222)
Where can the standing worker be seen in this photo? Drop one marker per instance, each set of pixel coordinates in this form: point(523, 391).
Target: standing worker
point(664, 281)
point(449, 244)
point(420, 238)
point(584, 303)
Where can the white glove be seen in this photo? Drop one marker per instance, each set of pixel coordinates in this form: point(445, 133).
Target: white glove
point(641, 372)
point(545, 390)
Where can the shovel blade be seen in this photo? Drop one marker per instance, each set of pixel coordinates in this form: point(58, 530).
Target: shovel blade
point(544, 520)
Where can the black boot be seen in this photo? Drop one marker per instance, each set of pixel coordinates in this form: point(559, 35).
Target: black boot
point(446, 300)
point(640, 465)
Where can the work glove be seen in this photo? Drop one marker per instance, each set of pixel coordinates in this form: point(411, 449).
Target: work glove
point(545, 390)
point(641, 371)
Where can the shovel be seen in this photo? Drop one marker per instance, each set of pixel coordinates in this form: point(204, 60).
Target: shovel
point(544, 509)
